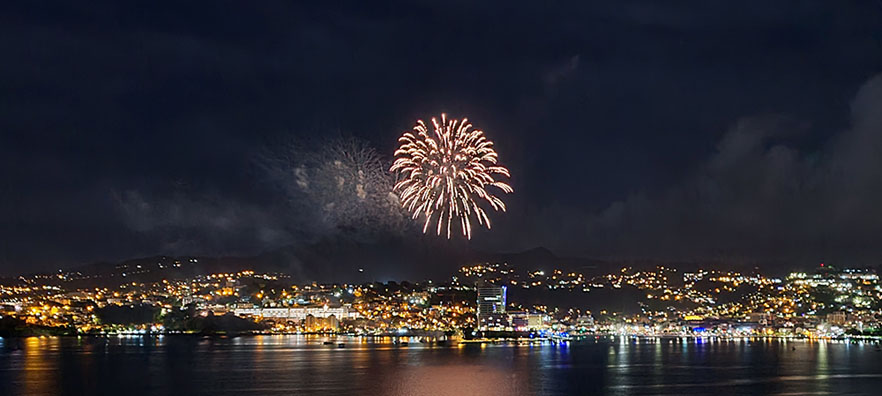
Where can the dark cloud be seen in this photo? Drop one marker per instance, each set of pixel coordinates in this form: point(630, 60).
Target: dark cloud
point(758, 197)
point(206, 225)
point(561, 71)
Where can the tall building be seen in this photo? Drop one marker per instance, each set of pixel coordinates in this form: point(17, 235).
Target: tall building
point(310, 323)
point(331, 323)
point(491, 304)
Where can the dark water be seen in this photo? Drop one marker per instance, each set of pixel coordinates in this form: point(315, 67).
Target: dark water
point(299, 365)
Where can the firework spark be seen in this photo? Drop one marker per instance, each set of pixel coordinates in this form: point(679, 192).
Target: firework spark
point(444, 174)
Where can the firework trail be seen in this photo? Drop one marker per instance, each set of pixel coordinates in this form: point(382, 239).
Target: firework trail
point(444, 175)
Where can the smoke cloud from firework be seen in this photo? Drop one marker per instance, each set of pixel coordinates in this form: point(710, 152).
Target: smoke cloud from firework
point(342, 184)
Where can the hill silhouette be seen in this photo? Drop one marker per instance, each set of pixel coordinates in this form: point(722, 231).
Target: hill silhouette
point(335, 260)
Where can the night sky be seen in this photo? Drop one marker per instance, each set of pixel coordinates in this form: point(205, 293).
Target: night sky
point(725, 130)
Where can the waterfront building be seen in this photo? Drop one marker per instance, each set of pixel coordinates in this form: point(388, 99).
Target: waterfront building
point(491, 304)
point(312, 323)
point(299, 313)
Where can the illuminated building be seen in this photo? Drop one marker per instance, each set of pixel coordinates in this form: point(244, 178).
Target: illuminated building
point(523, 320)
point(837, 318)
point(299, 313)
point(491, 301)
point(312, 323)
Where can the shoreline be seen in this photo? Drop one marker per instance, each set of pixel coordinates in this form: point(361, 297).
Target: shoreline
point(458, 340)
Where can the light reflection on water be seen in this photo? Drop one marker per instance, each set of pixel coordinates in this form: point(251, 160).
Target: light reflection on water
point(267, 365)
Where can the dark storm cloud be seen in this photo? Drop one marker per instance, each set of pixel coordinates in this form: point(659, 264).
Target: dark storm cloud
point(756, 198)
point(180, 224)
point(130, 128)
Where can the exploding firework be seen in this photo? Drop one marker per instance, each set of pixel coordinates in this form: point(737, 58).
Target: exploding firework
point(444, 174)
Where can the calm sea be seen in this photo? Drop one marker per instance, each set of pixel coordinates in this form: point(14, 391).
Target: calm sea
point(301, 365)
